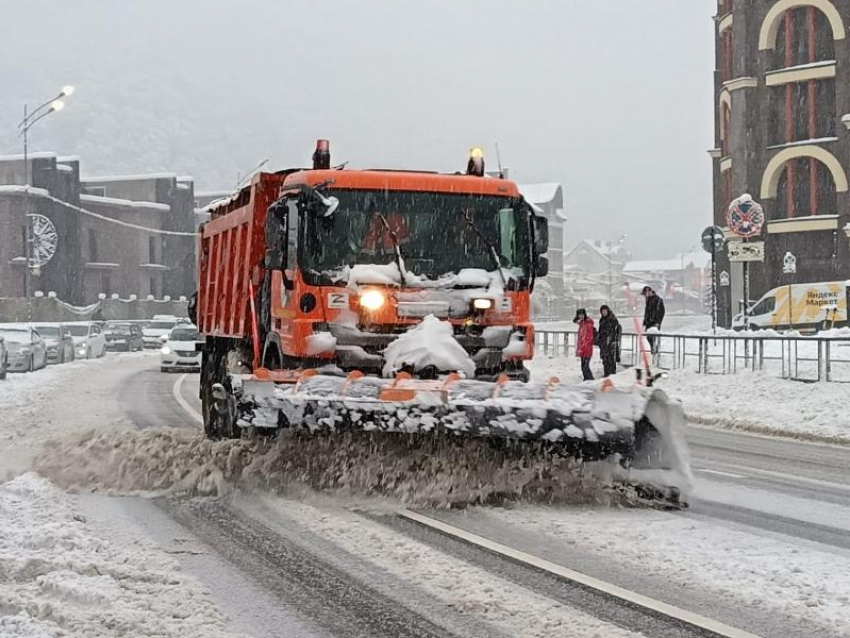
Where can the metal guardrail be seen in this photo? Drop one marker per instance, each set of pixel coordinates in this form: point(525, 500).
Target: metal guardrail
point(799, 358)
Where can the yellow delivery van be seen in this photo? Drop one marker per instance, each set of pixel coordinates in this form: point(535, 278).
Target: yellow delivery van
point(816, 306)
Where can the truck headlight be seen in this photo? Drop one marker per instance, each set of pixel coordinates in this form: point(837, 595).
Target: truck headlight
point(372, 299)
point(482, 304)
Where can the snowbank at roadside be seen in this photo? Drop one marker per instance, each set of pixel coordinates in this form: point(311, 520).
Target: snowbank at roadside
point(58, 578)
point(757, 402)
point(58, 400)
point(751, 401)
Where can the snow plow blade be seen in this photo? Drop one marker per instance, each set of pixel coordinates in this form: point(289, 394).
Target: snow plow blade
point(588, 422)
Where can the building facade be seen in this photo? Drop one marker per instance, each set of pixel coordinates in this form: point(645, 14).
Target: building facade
point(103, 245)
point(782, 114)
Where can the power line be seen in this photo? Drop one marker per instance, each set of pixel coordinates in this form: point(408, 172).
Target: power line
point(118, 222)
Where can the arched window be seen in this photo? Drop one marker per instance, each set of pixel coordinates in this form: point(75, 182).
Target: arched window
point(774, 21)
point(805, 36)
point(806, 187)
point(804, 179)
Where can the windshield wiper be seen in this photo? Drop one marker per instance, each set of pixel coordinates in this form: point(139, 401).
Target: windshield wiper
point(399, 258)
point(490, 245)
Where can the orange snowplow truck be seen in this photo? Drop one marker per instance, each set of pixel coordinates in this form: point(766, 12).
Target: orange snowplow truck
point(322, 269)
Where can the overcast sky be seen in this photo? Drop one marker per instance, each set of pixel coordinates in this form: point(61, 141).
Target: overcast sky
point(611, 98)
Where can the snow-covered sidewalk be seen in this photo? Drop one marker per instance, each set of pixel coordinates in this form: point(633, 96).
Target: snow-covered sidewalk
point(58, 577)
point(752, 401)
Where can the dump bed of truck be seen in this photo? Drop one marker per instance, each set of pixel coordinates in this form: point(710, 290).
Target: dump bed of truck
point(230, 262)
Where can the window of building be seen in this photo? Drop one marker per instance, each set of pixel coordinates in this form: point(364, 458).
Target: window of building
point(725, 129)
point(804, 37)
point(726, 55)
point(152, 250)
point(99, 191)
point(92, 245)
point(806, 188)
point(105, 283)
point(801, 111)
point(153, 287)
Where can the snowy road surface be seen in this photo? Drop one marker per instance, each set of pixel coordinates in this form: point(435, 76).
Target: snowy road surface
point(763, 548)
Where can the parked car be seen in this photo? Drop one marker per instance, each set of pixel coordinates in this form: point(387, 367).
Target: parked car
point(4, 359)
point(155, 332)
point(123, 335)
point(26, 348)
point(88, 339)
point(60, 343)
point(179, 352)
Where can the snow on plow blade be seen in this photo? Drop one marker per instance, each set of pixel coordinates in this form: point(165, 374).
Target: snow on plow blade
point(587, 422)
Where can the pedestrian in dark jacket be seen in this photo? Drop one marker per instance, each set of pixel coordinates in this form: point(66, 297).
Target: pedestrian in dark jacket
point(653, 316)
point(608, 340)
point(584, 342)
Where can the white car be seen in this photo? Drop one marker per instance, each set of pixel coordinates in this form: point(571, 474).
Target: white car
point(26, 350)
point(155, 332)
point(179, 352)
point(89, 340)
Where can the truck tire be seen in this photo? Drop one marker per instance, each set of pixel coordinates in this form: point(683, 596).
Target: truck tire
point(219, 415)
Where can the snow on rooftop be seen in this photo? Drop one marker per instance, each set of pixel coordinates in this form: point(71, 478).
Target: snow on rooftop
point(221, 193)
point(123, 203)
point(16, 189)
point(30, 156)
point(127, 178)
point(544, 193)
point(68, 158)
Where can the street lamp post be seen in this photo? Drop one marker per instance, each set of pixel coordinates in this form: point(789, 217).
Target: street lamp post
point(684, 280)
point(611, 268)
point(30, 118)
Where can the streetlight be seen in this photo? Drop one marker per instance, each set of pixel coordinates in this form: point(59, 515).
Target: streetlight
point(30, 118)
point(684, 277)
point(611, 267)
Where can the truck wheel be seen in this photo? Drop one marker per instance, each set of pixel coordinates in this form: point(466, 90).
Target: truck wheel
point(219, 413)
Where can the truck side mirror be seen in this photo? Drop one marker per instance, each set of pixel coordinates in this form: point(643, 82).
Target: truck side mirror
point(275, 259)
point(541, 266)
point(541, 235)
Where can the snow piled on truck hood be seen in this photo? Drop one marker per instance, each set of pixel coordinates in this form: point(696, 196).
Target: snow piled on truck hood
point(430, 343)
point(59, 578)
point(389, 275)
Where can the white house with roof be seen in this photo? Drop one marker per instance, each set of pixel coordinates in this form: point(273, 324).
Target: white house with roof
point(686, 272)
point(548, 199)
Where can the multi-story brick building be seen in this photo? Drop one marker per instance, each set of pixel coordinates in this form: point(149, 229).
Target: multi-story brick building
point(94, 254)
point(782, 114)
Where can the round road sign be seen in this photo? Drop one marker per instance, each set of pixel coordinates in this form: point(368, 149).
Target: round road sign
point(712, 239)
point(745, 217)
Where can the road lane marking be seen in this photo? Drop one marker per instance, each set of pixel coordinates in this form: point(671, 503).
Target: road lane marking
point(629, 597)
point(705, 470)
point(176, 390)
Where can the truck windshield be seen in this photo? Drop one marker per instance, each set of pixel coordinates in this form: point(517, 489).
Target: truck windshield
point(437, 234)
